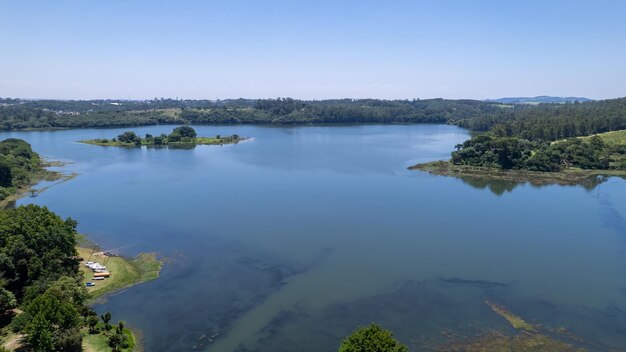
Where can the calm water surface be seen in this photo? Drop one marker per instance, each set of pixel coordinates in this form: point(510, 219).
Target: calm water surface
point(291, 240)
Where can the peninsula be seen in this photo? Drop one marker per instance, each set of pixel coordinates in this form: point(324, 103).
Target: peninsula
point(567, 162)
point(21, 168)
point(180, 136)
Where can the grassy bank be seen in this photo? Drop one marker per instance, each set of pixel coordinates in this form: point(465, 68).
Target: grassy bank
point(566, 177)
point(124, 272)
point(98, 342)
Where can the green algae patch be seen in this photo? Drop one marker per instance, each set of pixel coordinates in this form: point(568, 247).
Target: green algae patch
point(498, 342)
point(515, 321)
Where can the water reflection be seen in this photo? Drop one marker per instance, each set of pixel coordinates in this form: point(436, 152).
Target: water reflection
point(499, 186)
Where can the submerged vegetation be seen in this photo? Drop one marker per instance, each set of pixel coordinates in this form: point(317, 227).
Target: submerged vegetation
point(499, 342)
point(183, 135)
point(514, 320)
point(530, 339)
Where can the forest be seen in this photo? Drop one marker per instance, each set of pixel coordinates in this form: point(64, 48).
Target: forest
point(18, 114)
point(522, 154)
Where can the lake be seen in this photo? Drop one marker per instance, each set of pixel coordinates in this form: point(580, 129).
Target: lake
point(291, 240)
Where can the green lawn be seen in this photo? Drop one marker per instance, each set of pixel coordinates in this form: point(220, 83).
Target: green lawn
point(124, 272)
point(613, 138)
point(99, 342)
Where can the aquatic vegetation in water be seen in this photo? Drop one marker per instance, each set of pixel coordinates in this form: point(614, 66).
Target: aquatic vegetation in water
point(498, 342)
point(513, 319)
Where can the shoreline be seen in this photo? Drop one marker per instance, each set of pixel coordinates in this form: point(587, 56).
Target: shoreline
point(569, 177)
point(38, 177)
point(125, 273)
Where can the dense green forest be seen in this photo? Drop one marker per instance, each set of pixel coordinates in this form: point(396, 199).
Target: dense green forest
point(18, 163)
point(525, 139)
point(41, 278)
point(521, 154)
point(23, 114)
point(554, 121)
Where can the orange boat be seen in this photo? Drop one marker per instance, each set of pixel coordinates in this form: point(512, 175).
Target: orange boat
point(102, 274)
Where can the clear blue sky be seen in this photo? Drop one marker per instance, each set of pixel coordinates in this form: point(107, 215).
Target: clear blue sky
point(312, 49)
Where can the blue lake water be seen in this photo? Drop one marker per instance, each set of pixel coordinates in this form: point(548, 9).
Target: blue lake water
point(291, 240)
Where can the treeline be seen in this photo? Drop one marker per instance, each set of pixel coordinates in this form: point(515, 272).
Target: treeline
point(291, 111)
point(522, 154)
point(18, 162)
point(18, 114)
point(41, 291)
point(532, 122)
point(553, 121)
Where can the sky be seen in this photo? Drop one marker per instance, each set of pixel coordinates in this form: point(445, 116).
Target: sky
point(143, 49)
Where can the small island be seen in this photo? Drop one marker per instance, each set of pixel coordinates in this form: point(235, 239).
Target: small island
point(180, 136)
point(567, 162)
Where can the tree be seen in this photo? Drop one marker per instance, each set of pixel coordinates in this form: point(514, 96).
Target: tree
point(69, 288)
point(36, 245)
point(6, 176)
point(115, 342)
point(371, 339)
point(184, 132)
point(39, 334)
point(128, 137)
point(92, 322)
point(106, 318)
point(52, 324)
point(7, 300)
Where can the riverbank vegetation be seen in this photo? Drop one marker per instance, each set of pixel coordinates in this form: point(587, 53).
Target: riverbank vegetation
point(514, 153)
point(180, 136)
point(569, 161)
point(43, 300)
point(20, 166)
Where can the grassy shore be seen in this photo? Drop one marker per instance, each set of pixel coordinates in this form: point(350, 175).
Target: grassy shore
point(144, 142)
point(124, 272)
point(99, 342)
point(566, 177)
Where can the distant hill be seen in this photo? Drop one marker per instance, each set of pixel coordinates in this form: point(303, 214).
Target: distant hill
point(538, 100)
